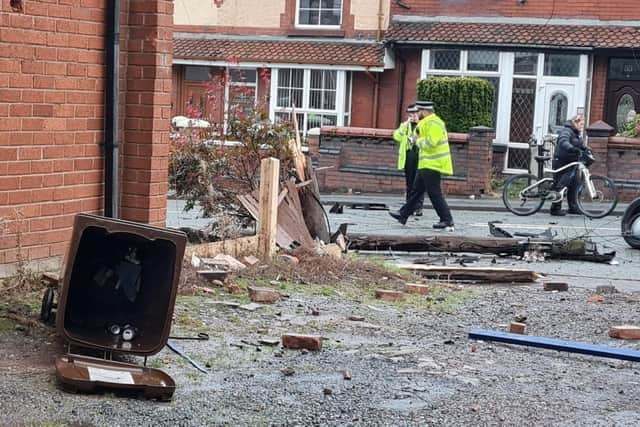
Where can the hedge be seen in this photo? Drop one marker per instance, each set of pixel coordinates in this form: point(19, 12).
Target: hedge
point(461, 102)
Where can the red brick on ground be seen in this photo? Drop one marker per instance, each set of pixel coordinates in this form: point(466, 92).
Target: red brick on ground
point(518, 328)
point(625, 332)
point(388, 295)
point(297, 342)
point(264, 295)
point(416, 288)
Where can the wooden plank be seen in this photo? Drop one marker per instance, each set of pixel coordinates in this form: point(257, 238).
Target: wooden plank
point(312, 209)
point(233, 247)
point(293, 198)
point(480, 274)
point(283, 239)
point(555, 344)
point(299, 159)
point(268, 209)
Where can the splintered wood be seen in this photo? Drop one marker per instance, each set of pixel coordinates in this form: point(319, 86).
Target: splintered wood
point(291, 230)
point(477, 274)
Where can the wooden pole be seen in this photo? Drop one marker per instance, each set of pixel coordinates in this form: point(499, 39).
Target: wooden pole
point(268, 217)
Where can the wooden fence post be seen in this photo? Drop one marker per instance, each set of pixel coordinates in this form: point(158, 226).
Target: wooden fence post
point(269, 179)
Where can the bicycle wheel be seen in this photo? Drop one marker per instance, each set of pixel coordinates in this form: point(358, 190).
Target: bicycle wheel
point(518, 200)
point(603, 203)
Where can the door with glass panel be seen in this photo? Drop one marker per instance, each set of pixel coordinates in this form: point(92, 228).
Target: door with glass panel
point(623, 91)
point(547, 90)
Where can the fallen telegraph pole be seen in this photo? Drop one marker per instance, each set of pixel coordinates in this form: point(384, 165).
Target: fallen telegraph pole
point(570, 249)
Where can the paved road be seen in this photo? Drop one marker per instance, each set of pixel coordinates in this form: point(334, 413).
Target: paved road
point(472, 221)
point(624, 273)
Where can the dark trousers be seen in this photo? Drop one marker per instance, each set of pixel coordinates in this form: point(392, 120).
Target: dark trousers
point(567, 178)
point(410, 169)
point(427, 181)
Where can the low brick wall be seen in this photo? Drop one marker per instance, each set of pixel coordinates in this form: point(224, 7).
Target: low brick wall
point(616, 157)
point(364, 160)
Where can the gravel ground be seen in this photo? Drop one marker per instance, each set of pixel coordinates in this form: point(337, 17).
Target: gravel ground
point(410, 363)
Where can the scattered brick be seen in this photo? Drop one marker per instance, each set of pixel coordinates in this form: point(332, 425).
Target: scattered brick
point(518, 328)
point(250, 260)
point(556, 286)
point(416, 288)
point(290, 259)
point(625, 332)
point(596, 298)
point(388, 295)
point(264, 295)
point(233, 289)
point(297, 342)
point(332, 250)
point(606, 289)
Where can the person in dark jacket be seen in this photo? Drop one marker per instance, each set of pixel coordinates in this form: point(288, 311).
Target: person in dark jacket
point(569, 148)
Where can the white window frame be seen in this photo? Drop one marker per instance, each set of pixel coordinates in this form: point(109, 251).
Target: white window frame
point(228, 85)
point(319, 26)
point(504, 92)
point(506, 75)
point(340, 111)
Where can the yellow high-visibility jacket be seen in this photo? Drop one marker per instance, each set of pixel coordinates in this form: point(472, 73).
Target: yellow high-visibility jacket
point(433, 142)
point(405, 136)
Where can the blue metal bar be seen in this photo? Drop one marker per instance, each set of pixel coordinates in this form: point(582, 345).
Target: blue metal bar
point(555, 344)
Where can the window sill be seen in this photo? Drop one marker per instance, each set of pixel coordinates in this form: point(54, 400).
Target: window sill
point(312, 32)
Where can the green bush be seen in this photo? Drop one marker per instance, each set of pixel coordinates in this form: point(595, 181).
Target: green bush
point(461, 102)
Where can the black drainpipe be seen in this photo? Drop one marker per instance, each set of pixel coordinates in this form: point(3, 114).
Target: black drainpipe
point(112, 50)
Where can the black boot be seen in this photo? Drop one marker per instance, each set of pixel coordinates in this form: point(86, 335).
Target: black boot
point(398, 216)
point(556, 209)
point(574, 210)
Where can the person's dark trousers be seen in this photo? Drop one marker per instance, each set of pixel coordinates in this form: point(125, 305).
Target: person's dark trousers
point(427, 181)
point(567, 178)
point(410, 169)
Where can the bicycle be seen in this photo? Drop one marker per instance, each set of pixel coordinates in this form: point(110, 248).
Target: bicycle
point(524, 194)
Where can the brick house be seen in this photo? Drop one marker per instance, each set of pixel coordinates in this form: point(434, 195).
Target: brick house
point(546, 59)
point(53, 85)
point(325, 57)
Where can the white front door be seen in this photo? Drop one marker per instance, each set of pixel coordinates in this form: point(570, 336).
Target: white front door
point(542, 103)
point(556, 104)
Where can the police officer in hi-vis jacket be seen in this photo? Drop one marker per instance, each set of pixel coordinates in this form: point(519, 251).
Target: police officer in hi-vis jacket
point(406, 137)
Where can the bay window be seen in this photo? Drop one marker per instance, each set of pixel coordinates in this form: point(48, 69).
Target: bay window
point(320, 97)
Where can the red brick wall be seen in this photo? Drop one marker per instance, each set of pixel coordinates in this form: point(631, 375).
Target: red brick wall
point(598, 89)
point(407, 69)
point(148, 112)
point(362, 94)
point(52, 80)
point(568, 9)
point(365, 160)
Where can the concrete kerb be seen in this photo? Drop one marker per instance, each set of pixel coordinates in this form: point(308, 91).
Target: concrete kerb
point(455, 203)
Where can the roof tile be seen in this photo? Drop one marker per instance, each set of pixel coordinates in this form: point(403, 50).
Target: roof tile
point(281, 51)
point(516, 34)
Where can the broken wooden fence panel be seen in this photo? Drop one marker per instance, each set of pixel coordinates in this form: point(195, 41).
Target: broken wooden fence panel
point(555, 344)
